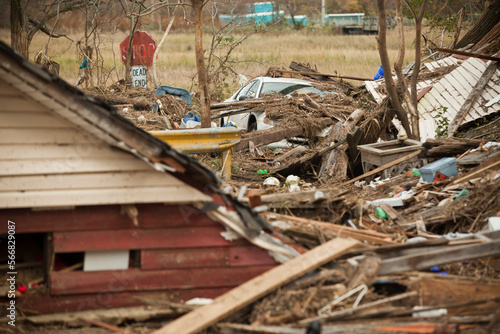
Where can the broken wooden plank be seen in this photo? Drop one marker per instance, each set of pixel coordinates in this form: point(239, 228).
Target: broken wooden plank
point(438, 257)
point(257, 287)
point(309, 73)
point(468, 54)
point(382, 168)
point(152, 280)
point(275, 134)
point(341, 231)
point(480, 171)
point(110, 316)
point(104, 325)
point(302, 160)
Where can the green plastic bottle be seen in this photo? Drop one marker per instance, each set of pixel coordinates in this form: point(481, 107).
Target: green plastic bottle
point(380, 212)
point(262, 172)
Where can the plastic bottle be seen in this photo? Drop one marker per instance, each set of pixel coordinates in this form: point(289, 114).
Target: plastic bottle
point(262, 172)
point(380, 212)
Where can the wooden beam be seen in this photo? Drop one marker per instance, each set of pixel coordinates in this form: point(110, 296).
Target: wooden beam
point(103, 217)
point(438, 257)
point(232, 256)
point(275, 134)
point(44, 304)
point(179, 237)
point(341, 231)
point(326, 75)
point(483, 168)
point(472, 98)
point(468, 54)
point(256, 288)
point(382, 168)
point(151, 280)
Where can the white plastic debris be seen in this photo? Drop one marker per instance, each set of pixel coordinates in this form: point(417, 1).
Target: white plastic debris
point(389, 201)
point(271, 181)
point(141, 118)
point(125, 109)
point(293, 188)
point(199, 301)
point(319, 195)
point(292, 179)
point(428, 313)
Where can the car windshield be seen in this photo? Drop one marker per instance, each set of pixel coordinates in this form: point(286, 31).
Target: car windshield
point(283, 87)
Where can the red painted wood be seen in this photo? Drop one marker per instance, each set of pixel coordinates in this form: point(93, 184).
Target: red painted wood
point(138, 280)
point(234, 256)
point(249, 256)
point(103, 217)
point(44, 304)
point(66, 242)
point(185, 258)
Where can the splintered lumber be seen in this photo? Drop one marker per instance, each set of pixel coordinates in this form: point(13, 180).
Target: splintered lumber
point(304, 159)
point(341, 231)
point(311, 74)
point(104, 325)
point(109, 316)
point(479, 171)
point(335, 164)
point(468, 54)
point(275, 134)
point(446, 147)
point(256, 288)
point(382, 168)
point(442, 255)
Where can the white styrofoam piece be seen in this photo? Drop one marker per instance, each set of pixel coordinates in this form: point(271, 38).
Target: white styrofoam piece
point(106, 260)
point(493, 223)
point(389, 201)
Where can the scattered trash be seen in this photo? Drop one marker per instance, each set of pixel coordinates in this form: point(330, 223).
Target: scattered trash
point(380, 212)
point(271, 181)
point(445, 166)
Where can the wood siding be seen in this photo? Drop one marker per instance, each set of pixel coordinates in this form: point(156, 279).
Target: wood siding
point(46, 161)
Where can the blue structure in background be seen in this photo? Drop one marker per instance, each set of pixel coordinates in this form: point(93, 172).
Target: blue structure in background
point(347, 19)
point(259, 13)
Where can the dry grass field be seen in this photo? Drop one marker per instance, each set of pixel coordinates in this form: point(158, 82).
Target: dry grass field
point(333, 54)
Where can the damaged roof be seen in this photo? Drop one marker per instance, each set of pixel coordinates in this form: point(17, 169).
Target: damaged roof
point(97, 118)
point(451, 82)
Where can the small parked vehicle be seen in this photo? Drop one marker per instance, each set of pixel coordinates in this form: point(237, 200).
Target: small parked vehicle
point(257, 120)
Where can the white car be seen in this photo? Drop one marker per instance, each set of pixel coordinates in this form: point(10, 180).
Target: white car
point(256, 120)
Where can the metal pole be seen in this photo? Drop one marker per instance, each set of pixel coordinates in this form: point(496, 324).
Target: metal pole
point(322, 12)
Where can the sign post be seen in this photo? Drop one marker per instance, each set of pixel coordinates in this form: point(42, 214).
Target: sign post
point(143, 49)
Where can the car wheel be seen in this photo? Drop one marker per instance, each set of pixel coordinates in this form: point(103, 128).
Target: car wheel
point(253, 125)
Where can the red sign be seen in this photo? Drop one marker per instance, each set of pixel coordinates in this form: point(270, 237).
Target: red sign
point(143, 49)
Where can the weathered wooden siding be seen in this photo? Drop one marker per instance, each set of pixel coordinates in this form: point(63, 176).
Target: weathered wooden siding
point(451, 91)
point(46, 161)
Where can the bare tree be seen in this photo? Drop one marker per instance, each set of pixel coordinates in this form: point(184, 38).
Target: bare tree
point(29, 18)
point(200, 63)
point(489, 18)
point(384, 57)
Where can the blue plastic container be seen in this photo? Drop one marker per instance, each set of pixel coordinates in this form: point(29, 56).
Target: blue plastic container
point(446, 166)
point(379, 74)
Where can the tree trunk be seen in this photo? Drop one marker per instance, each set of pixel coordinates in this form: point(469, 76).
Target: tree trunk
point(200, 65)
point(384, 57)
point(490, 17)
point(335, 164)
point(19, 27)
